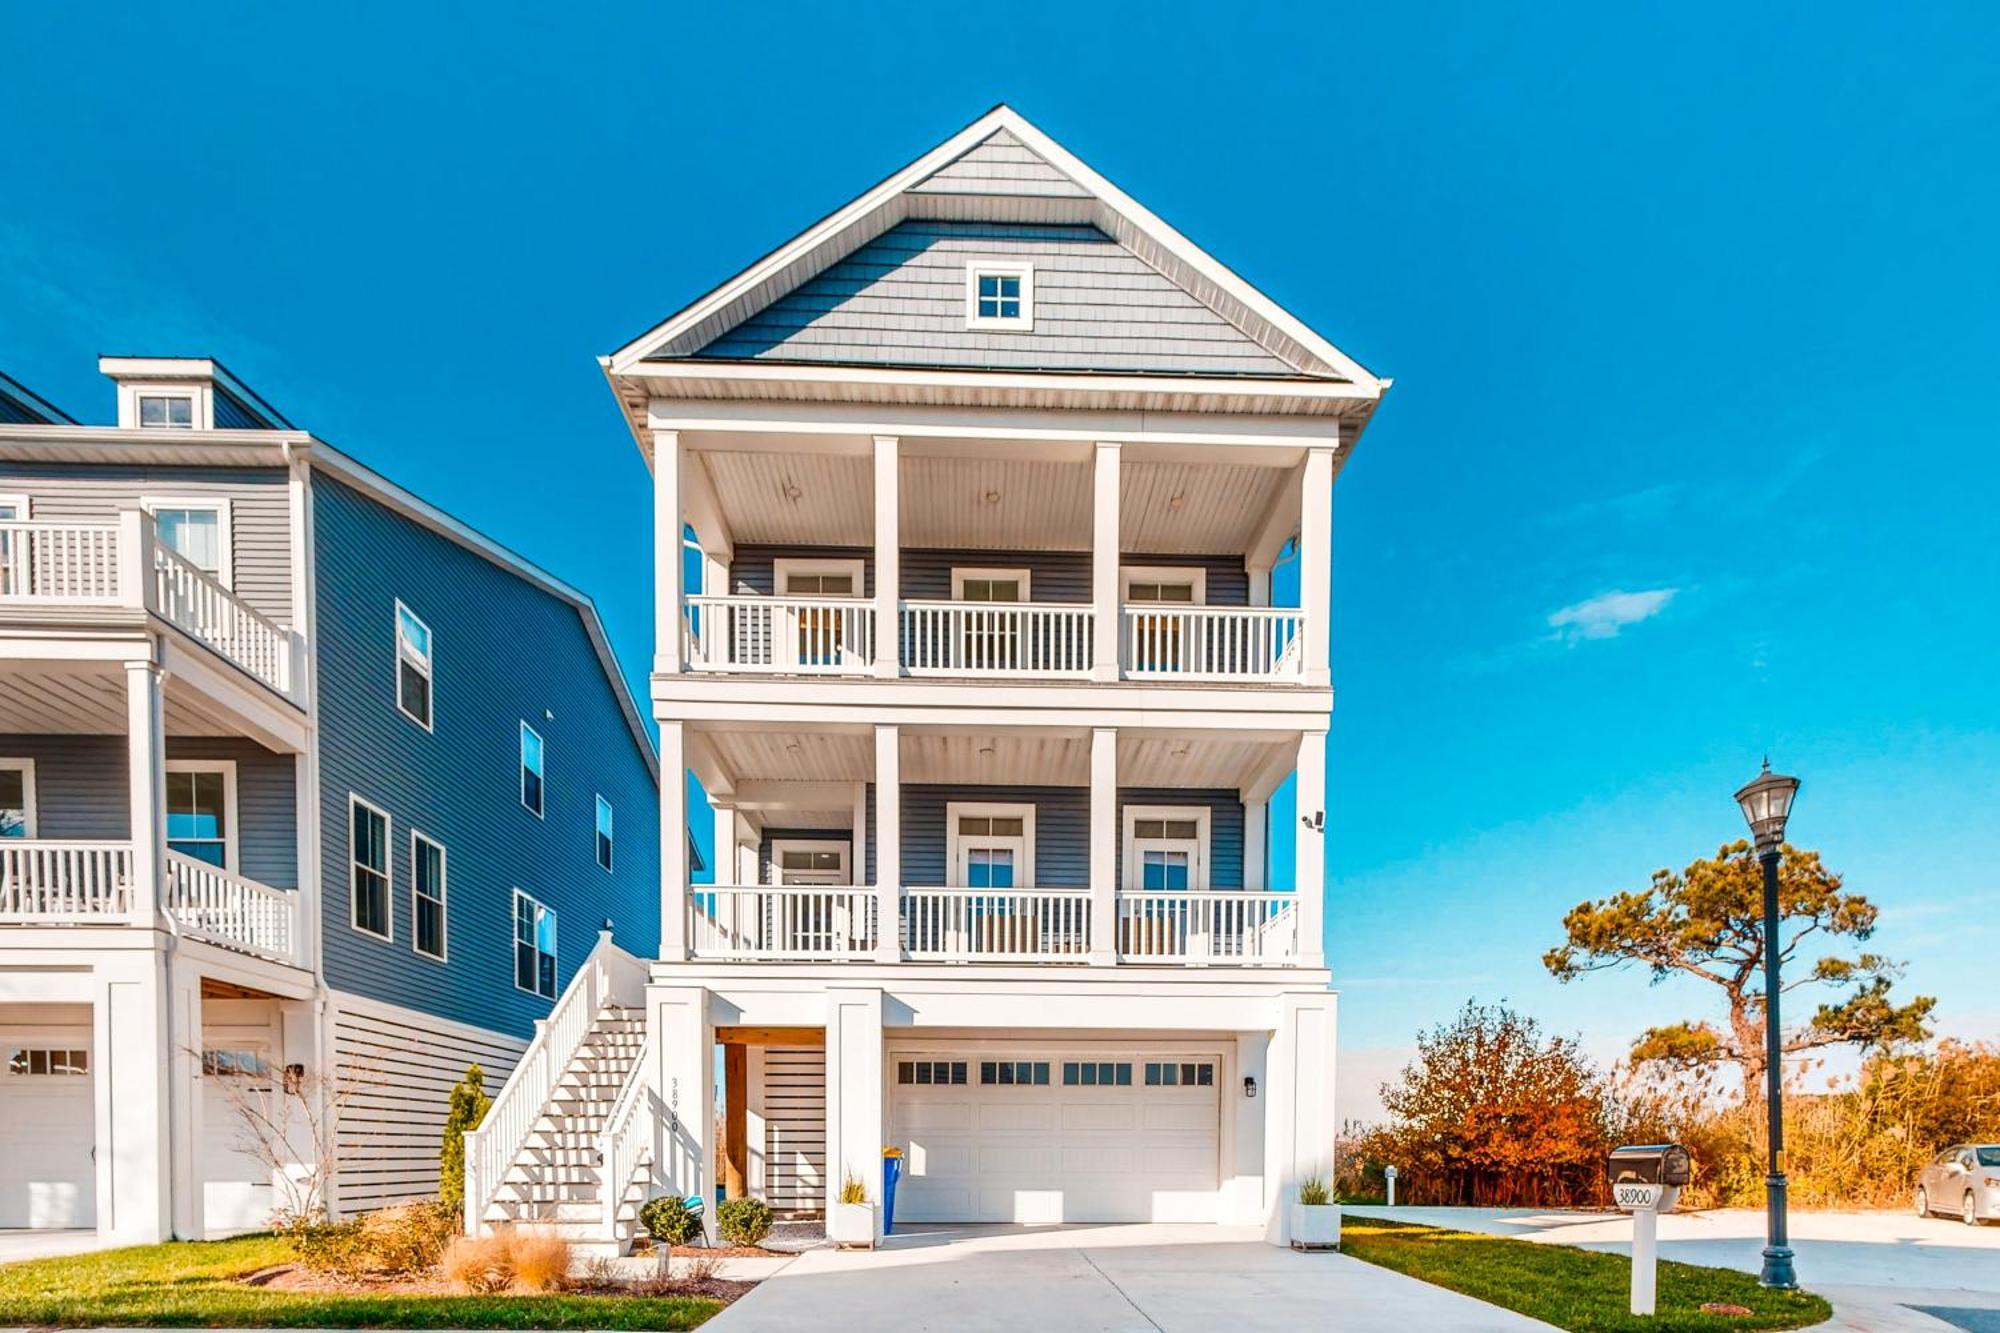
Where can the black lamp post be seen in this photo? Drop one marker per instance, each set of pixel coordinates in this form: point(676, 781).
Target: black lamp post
point(1767, 803)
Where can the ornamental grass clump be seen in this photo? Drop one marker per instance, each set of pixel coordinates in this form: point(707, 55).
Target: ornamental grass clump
point(1313, 1192)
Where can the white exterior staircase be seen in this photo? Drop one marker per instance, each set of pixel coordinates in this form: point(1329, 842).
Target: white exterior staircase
point(563, 1144)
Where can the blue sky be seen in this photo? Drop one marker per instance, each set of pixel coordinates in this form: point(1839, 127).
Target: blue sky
point(1691, 314)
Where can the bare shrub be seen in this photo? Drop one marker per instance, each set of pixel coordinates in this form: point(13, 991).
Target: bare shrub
point(541, 1260)
point(480, 1264)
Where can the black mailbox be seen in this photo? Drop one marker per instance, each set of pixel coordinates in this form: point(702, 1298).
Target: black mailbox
point(1651, 1164)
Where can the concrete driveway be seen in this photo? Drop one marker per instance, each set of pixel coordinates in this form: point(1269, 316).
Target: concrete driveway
point(18, 1245)
point(1116, 1278)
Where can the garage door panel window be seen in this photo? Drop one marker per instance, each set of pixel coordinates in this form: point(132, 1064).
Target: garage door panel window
point(940, 1073)
point(1179, 1074)
point(1097, 1074)
point(1014, 1073)
point(47, 1061)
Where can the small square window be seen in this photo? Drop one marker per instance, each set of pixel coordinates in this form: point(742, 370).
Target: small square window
point(173, 411)
point(999, 295)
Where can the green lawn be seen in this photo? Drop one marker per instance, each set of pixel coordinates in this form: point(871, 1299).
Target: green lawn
point(1580, 1290)
point(194, 1284)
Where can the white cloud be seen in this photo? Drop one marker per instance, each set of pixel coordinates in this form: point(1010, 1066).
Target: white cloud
point(1604, 616)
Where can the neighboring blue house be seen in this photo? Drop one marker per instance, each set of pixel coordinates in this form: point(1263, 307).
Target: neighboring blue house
point(296, 770)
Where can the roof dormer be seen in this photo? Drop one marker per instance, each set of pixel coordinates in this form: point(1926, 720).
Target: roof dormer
point(185, 393)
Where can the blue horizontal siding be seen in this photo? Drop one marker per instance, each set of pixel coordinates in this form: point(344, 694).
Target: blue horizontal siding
point(506, 651)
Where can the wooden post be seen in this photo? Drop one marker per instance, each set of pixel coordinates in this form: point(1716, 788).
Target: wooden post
point(735, 1107)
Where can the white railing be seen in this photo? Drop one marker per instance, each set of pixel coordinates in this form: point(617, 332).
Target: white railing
point(812, 635)
point(64, 881)
point(630, 1137)
point(67, 563)
point(609, 975)
point(124, 564)
point(979, 925)
point(1212, 642)
point(190, 600)
point(211, 903)
point(1187, 927)
point(997, 638)
point(794, 921)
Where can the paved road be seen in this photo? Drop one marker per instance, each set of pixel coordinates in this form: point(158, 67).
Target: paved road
point(1113, 1278)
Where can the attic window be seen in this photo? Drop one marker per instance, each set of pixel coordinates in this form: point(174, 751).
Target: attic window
point(171, 410)
point(999, 296)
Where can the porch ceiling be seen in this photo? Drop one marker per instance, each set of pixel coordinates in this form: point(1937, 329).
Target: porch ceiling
point(88, 699)
point(1021, 758)
point(1004, 501)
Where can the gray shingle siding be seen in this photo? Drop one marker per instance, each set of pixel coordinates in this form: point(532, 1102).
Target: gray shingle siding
point(1062, 829)
point(82, 792)
point(259, 513)
point(505, 651)
point(900, 300)
point(1000, 164)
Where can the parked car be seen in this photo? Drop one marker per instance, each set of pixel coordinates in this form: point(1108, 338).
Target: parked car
point(1964, 1180)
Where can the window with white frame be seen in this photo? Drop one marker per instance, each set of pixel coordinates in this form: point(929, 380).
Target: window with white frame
point(368, 858)
point(47, 1061)
point(999, 294)
point(1166, 848)
point(604, 833)
point(13, 509)
point(195, 529)
point(1160, 633)
point(531, 769)
point(166, 411)
point(809, 861)
point(534, 946)
point(813, 635)
point(413, 666)
point(427, 890)
point(17, 798)
point(989, 642)
point(989, 585)
point(1164, 585)
point(201, 810)
point(992, 846)
point(13, 571)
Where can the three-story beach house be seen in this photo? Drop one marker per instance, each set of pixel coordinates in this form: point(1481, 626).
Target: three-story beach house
point(989, 471)
point(298, 776)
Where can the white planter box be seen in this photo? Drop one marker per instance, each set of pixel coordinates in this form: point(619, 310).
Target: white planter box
point(1316, 1226)
point(852, 1224)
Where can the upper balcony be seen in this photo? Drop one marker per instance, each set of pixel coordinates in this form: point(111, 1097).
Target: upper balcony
point(78, 575)
point(988, 556)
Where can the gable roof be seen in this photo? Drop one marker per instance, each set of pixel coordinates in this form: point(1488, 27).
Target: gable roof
point(1000, 169)
point(20, 405)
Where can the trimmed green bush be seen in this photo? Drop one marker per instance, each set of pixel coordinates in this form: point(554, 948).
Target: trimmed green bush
point(668, 1220)
point(465, 1109)
point(743, 1221)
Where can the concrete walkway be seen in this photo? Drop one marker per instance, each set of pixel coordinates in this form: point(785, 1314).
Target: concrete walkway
point(1112, 1278)
point(18, 1245)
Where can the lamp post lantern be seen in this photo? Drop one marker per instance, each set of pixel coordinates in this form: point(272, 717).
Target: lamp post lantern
point(1767, 803)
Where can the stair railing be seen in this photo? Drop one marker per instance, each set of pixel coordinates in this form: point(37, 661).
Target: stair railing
point(608, 975)
point(627, 1141)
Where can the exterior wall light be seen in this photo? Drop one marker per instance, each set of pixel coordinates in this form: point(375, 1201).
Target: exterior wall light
point(1250, 1086)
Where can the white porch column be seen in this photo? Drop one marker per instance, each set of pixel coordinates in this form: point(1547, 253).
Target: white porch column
point(146, 768)
point(1309, 859)
point(888, 557)
point(685, 1161)
point(184, 1100)
point(854, 1122)
point(1104, 599)
point(1260, 584)
point(133, 1149)
point(669, 581)
point(1300, 1117)
point(673, 840)
point(1104, 836)
point(725, 844)
point(888, 848)
point(1316, 565)
point(1256, 828)
point(714, 583)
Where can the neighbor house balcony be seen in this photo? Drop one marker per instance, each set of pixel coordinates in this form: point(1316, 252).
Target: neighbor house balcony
point(80, 574)
point(835, 636)
point(51, 883)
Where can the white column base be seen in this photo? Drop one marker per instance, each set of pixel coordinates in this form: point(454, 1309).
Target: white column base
point(684, 1156)
point(1300, 1120)
point(854, 1115)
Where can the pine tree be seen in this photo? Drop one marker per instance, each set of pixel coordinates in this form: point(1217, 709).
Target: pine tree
point(465, 1110)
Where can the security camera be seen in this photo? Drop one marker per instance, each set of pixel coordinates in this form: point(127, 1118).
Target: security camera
point(1316, 821)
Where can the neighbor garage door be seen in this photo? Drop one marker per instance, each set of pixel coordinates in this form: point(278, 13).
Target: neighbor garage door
point(46, 1118)
point(1045, 1135)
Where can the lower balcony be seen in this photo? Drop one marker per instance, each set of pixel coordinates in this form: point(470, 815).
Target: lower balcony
point(841, 923)
point(92, 884)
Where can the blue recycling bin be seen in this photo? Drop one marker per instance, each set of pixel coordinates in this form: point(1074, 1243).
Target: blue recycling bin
point(892, 1171)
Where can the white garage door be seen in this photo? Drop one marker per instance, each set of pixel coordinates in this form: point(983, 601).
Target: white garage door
point(1044, 1136)
point(47, 1178)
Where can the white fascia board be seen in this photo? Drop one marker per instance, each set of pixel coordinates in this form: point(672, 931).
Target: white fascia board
point(988, 704)
point(380, 488)
point(118, 444)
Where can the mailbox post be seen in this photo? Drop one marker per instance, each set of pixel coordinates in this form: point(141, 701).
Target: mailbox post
point(1646, 1181)
point(1389, 1174)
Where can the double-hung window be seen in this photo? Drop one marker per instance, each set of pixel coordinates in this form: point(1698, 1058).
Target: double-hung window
point(413, 667)
point(603, 833)
point(531, 769)
point(427, 897)
point(1166, 848)
point(201, 810)
point(368, 855)
point(13, 566)
point(196, 530)
point(17, 798)
point(534, 946)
